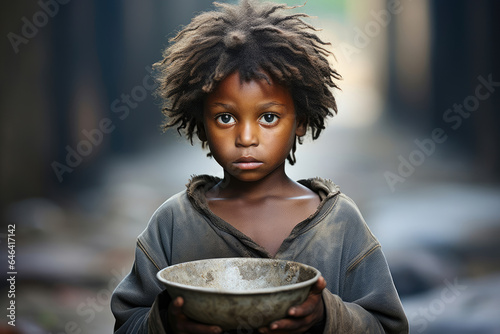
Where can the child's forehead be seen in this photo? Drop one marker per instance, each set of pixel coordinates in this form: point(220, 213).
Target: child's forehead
point(264, 84)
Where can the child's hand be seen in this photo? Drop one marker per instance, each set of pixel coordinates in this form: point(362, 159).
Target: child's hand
point(302, 317)
point(179, 323)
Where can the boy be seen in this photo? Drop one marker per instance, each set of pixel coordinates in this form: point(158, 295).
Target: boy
point(250, 80)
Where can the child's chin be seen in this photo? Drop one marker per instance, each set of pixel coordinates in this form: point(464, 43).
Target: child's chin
point(247, 176)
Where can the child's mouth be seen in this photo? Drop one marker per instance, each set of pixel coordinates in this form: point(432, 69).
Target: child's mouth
point(247, 163)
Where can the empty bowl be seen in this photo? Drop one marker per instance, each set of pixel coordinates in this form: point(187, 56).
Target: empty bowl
point(239, 293)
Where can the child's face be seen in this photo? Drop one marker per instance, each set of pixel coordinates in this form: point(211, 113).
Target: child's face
point(250, 127)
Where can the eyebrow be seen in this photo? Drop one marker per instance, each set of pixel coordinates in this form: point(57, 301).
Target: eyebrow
point(260, 107)
point(220, 104)
point(270, 104)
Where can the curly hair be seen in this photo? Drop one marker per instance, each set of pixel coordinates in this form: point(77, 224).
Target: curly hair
point(253, 38)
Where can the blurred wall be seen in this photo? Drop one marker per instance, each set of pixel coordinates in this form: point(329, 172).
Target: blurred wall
point(433, 78)
point(72, 72)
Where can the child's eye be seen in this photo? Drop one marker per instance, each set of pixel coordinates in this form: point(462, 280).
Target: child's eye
point(225, 119)
point(269, 119)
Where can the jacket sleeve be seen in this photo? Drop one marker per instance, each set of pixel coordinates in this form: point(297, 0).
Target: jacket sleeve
point(139, 300)
point(369, 303)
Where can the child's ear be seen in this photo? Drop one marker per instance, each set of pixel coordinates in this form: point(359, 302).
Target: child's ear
point(200, 131)
point(301, 129)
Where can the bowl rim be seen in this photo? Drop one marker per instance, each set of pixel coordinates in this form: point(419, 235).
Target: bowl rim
point(269, 290)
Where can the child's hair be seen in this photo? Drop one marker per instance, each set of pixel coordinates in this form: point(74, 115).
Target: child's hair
point(250, 37)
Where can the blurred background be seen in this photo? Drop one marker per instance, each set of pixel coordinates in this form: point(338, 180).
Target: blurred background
point(84, 163)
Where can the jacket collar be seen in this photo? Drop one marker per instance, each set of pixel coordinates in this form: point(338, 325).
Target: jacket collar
point(198, 185)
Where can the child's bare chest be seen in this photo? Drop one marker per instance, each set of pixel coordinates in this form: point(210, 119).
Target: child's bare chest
point(267, 222)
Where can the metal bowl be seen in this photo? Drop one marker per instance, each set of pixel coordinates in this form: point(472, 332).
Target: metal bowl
point(239, 293)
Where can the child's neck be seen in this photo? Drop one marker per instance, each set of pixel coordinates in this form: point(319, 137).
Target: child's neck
point(266, 210)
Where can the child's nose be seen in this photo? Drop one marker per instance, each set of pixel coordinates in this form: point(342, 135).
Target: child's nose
point(247, 135)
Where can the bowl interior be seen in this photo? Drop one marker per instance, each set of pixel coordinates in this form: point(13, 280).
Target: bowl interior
point(238, 274)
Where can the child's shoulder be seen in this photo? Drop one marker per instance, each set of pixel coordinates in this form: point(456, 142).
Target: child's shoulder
point(177, 209)
point(323, 187)
point(342, 207)
point(180, 204)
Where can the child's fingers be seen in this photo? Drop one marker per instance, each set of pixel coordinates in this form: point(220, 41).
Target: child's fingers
point(306, 308)
point(177, 305)
point(302, 316)
point(178, 302)
point(319, 286)
point(287, 326)
point(311, 303)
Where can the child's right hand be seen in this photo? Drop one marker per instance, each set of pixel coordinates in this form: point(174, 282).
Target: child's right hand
point(179, 323)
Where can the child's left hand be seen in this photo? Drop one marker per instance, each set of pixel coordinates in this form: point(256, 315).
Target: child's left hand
point(302, 317)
